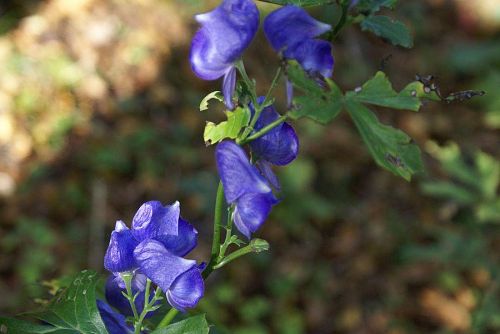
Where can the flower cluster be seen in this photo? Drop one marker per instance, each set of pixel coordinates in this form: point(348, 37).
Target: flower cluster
point(228, 30)
point(154, 249)
point(217, 47)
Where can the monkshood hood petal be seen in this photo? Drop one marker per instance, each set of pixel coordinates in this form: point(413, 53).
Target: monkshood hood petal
point(279, 146)
point(119, 255)
point(290, 25)
point(238, 176)
point(225, 33)
point(187, 289)
point(291, 30)
point(154, 220)
point(251, 211)
point(182, 243)
point(315, 56)
point(166, 269)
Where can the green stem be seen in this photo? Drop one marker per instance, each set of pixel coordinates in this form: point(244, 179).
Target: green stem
point(168, 318)
point(149, 305)
point(342, 21)
point(274, 83)
point(229, 230)
point(241, 68)
point(265, 129)
point(255, 246)
point(219, 205)
point(127, 278)
point(260, 106)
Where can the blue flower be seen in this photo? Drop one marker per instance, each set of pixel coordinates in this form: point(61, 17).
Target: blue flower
point(115, 322)
point(155, 247)
point(225, 33)
point(292, 31)
point(279, 146)
point(244, 187)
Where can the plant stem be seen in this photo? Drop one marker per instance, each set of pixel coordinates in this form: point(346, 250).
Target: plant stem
point(127, 278)
point(241, 68)
point(274, 83)
point(229, 230)
point(260, 106)
point(148, 305)
point(219, 204)
point(265, 129)
point(255, 246)
point(342, 21)
point(168, 318)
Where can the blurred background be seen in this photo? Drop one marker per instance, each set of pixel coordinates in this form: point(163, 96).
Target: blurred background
point(99, 113)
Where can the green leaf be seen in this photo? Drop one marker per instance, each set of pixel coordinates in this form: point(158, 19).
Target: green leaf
point(16, 326)
point(489, 174)
point(392, 30)
point(452, 162)
point(193, 325)
point(392, 149)
point(301, 3)
point(216, 95)
point(236, 121)
point(74, 310)
point(447, 190)
point(378, 91)
point(373, 6)
point(317, 103)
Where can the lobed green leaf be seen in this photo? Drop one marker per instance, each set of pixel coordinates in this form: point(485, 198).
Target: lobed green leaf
point(390, 29)
point(317, 103)
point(391, 148)
point(216, 95)
point(378, 91)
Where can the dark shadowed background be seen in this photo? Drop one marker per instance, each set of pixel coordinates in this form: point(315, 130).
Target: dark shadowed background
point(99, 113)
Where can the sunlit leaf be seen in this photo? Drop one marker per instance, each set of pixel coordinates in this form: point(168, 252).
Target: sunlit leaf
point(216, 95)
point(390, 29)
point(236, 121)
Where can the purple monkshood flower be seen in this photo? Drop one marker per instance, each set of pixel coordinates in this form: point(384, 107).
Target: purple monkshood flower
point(292, 31)
point(155, 247)
point(225, 33)
point(279, 146)
point(244, 186)
point(115, 322)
